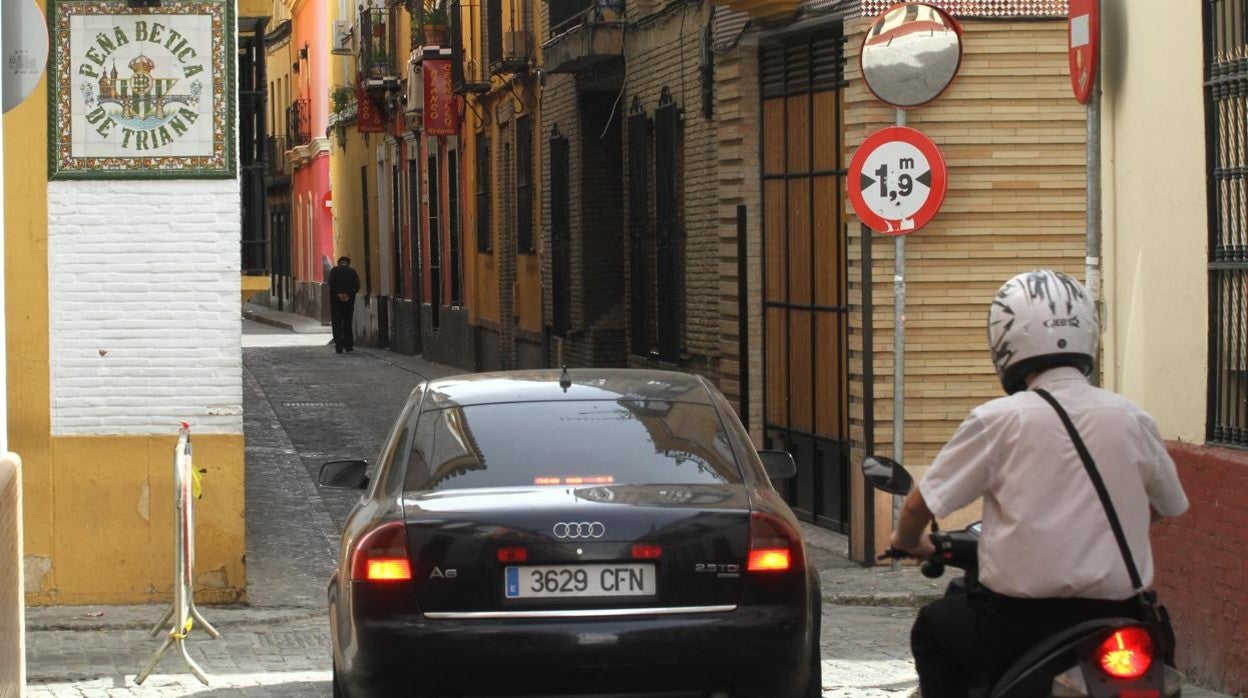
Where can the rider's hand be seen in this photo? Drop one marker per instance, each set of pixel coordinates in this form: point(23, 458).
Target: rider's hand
point(921, 549)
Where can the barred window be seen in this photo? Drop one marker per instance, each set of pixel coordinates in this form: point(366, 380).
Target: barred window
point(1226, 104)
point(668, 156)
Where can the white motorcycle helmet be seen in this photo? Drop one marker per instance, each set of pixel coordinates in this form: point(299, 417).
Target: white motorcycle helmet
point(1039, 319)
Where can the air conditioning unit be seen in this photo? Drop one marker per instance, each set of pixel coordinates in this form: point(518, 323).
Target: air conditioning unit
point(414, 102)
point(516, 45)
point(343, 38)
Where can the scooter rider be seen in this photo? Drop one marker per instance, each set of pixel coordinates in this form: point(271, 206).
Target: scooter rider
point(1047, 556)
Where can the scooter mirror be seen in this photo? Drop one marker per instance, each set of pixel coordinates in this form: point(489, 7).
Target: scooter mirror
point(887, 475)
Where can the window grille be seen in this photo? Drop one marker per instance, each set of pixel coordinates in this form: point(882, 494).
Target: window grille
point(452, 216)
point(639, 227)
point(435, 242)
point(1226, 108)
point(668, 223)
point(524, 185)
point(485, 234)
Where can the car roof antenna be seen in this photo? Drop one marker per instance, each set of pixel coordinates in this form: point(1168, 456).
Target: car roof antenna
point(565, 381)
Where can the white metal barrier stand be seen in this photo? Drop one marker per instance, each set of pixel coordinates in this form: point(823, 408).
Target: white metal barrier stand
point(182, 612)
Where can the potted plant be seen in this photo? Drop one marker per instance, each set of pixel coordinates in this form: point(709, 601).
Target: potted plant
point(340, 98)
point(431, 16)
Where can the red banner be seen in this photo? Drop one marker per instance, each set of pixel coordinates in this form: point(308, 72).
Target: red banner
point(441, 110)
point(369, 118)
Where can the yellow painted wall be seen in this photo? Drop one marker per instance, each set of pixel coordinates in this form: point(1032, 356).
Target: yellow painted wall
point(1156, 231)
point(26, 311)
point(254, 8)
point(345, 161)
point(113, 521)
point(89, 535)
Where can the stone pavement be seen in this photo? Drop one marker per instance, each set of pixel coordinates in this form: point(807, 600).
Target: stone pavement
point(304, 405)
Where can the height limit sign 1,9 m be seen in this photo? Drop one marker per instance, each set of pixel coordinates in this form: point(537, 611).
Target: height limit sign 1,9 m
point(897, 180)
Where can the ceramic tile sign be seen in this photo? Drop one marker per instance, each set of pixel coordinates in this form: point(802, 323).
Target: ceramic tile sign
point(141, 92)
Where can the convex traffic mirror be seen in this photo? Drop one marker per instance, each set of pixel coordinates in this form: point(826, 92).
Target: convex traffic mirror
point(911, 54)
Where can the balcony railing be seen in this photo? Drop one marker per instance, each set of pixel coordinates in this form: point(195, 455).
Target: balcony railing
point(565, 14)
point(467, 72)
point(376, 60)
point(299, 123)
point(510, 41)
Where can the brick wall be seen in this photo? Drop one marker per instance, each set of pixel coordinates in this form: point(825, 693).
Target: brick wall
point(1202, 574)
point(144, 319)
point(1013, 140)
point(737, 183)
point(505, 239)
point(12, 606)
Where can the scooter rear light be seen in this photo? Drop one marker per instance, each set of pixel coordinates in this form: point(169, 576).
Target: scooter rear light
point(772, 542)
point(380, 555)
point(1127, 654)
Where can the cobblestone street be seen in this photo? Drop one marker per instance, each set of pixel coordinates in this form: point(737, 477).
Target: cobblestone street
point(305, 405)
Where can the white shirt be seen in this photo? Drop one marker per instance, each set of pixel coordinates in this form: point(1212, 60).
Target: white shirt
point(1045, 532)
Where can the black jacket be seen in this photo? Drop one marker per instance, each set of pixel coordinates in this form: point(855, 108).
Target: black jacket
point(344, 280)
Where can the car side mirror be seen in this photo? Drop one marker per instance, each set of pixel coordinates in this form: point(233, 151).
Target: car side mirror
point(344, 475)
point(778, 464)
point(887, 475)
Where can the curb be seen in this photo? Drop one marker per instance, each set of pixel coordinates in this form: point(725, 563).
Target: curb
point(266, 320)
point(219, 616)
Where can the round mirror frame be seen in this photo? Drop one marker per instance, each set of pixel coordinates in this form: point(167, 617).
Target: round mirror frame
point(951, 25)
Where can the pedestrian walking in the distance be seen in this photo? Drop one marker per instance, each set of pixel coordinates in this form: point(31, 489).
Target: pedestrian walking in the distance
point(344, 283)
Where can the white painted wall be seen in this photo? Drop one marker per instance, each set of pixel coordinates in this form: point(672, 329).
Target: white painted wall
point(1153, 154)
point(144, 320)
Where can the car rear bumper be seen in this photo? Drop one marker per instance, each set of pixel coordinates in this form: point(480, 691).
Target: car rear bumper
point(760, 651)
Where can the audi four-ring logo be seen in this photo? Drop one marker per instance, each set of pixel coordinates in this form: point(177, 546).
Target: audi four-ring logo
point(580, 529)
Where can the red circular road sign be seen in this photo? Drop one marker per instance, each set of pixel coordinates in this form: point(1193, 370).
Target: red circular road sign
point(1084, 30)
point(897, 180)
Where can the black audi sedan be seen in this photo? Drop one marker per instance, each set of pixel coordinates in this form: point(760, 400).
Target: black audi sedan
point(571, 533)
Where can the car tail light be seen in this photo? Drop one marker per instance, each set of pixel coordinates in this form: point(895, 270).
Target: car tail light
point(381, 555)
point(1127, 654)
point(647, 551)
point(772, 541)
point(513, 554)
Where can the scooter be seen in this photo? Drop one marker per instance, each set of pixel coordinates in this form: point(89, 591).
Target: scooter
point(1102, 658)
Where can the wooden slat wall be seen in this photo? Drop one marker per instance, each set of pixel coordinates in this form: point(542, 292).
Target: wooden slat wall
point(1013, 137)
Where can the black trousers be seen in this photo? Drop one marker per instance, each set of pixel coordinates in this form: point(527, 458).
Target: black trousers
point(963, 636)
point(340, 315)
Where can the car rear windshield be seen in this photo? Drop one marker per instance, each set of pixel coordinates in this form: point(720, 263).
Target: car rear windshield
point(570, 443)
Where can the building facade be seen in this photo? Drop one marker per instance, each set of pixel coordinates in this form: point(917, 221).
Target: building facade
point(628, 162)
point(1176, 286)
point(122, 296)
point(497, 58)
point(808, 353)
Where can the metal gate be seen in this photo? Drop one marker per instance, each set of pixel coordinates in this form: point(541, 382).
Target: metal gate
point(805, 370)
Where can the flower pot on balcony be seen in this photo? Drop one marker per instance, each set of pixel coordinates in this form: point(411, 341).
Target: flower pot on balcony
point(435, 34)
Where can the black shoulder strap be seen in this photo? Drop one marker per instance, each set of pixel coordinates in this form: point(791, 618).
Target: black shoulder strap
point(1099, 484)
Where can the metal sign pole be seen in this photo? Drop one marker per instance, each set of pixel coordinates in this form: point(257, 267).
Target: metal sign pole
point(899, 353)
point(182, 611)
point(1092, 269)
